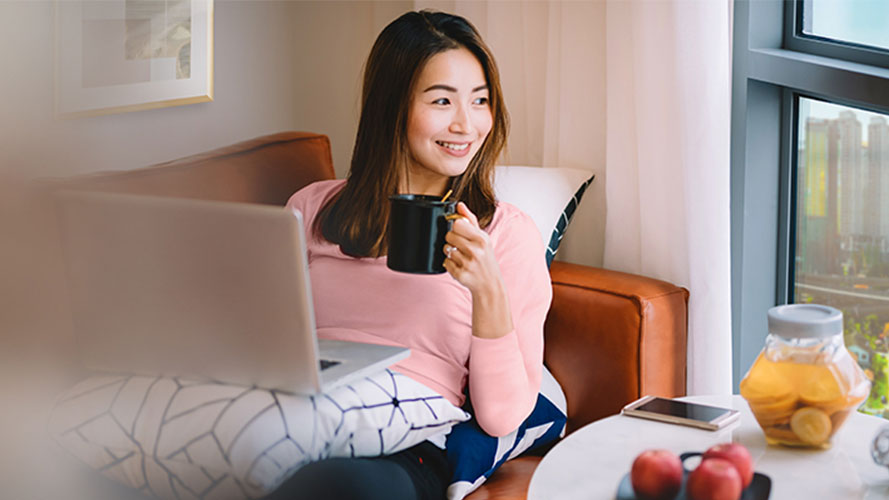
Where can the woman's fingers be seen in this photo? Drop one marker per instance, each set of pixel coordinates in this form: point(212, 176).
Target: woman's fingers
point(470, 249)
point(470, 259)
point(454, 255)
point(453, 269)
point(458, 240)
point(463, 210)
point(464, 227)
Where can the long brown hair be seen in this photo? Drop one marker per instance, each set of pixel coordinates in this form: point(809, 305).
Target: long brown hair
point(357, 217)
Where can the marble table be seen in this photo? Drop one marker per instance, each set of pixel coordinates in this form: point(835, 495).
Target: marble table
point(590, 462)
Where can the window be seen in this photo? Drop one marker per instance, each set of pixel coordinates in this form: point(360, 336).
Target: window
point(841, 242)
point(859, 22)
point(810, 172)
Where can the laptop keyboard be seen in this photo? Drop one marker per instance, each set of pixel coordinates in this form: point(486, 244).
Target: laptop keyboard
point(327, 363)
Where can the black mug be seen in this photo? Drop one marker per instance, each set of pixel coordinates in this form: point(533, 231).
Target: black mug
point(417, 228)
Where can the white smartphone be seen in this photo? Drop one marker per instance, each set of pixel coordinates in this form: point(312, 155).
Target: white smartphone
point(681, 412)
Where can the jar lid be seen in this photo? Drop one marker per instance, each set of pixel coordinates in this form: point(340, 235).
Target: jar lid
point(805, 321)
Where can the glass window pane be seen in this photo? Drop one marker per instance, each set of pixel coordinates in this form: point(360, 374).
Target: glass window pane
point(842, 229)
point(862, 22)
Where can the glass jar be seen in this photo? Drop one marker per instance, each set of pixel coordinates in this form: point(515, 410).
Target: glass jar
point(804, 383)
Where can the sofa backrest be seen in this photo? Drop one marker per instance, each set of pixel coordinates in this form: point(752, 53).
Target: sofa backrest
point(263, 170)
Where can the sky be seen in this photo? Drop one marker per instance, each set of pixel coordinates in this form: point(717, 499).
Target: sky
point(860, 21)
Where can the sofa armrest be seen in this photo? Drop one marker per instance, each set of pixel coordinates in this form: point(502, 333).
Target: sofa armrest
point(612, 337)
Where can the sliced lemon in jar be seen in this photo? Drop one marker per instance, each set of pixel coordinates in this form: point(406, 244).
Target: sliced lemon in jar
point(786, 404)
point(822, 389)
point(765, 384)
point(811, 425)
point(778, 412)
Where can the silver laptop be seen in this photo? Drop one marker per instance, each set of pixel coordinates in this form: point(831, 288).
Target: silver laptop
point(168, 286)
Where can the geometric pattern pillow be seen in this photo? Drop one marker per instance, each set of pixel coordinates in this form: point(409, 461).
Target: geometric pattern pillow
point(549, 195)
point(474, 455)
point(173, 438)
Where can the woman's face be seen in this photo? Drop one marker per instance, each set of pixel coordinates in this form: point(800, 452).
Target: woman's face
point(448, 119)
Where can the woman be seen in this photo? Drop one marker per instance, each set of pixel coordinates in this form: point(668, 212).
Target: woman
point(432, 120)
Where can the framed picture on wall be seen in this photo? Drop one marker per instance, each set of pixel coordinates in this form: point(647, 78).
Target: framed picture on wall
point(114, 56)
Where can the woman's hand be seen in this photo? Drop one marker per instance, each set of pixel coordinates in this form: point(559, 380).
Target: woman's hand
point(471, 261)
point(470, 256)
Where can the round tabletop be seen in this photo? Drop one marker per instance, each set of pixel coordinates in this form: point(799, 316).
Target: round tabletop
point(590, 462)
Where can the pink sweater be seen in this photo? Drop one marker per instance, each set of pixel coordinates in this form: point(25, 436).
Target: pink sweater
point(363, 300)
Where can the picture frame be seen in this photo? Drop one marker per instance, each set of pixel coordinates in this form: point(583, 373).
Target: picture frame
point(115, 56)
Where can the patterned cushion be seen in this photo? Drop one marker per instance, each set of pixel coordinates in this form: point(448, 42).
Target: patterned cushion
point(474, 455)
point(548, 195)
point(173, 438)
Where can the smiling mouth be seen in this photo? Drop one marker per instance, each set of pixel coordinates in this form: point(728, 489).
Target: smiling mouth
point(452, 146)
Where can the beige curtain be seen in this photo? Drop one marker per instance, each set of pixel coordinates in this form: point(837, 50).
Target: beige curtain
point(669, 99)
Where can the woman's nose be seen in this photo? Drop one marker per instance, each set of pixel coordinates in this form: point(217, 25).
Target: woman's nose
point(461, 122)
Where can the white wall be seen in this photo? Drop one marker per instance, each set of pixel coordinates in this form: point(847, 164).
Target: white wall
point(332, 41)
point(255, 74)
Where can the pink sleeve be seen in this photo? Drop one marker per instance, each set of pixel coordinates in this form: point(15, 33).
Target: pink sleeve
point(298, 200)
point(311, 198)
point(504, 373)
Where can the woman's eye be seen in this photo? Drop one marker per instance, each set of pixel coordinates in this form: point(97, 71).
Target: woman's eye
point(481, 100)
point(443, 101)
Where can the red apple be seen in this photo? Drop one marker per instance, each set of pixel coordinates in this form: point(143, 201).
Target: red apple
point(738, 455)
point(714, 479)
point(656, 475)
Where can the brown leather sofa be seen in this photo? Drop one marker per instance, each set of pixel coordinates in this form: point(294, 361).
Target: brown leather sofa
point(611, 337)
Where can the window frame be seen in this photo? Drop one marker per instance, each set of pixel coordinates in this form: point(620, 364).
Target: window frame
point(772, 65)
